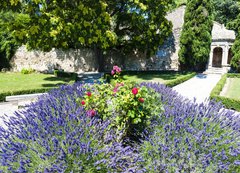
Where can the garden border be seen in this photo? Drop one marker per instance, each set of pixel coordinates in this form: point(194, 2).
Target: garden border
point(172, 83)
point(3, 95)
point(228, 102)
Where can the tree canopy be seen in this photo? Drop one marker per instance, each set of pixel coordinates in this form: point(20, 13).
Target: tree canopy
point(74, 24)
point(8, 42)
point(104, 24)
point(226, 11)
point(195, 38)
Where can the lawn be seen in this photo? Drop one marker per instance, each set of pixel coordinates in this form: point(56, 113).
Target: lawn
point(17, 83)
point(234, 88)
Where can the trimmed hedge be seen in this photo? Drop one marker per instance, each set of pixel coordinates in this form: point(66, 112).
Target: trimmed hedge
point(172, 83)
point(177, 81)
point(30, 91)
point(71, 75)
point(228, 102)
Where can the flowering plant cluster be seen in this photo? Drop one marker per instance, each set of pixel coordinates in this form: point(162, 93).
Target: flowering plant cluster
point(128, 106)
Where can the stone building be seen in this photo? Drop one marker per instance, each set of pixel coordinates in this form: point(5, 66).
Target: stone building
point(221, 54)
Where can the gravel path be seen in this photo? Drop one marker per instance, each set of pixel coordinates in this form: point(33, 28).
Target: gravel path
point(198, 87)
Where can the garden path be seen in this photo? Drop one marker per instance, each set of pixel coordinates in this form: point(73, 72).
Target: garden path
point(199, 87)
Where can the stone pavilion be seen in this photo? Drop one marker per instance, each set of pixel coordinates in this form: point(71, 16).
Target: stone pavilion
point(221, 54)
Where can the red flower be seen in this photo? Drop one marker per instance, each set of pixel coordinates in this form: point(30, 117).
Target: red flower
point(83, 102)
point(89, 94)
point(141, 99)
point(134, 91)
point(91, 113)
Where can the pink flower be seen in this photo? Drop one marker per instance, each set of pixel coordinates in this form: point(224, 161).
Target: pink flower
point(134, 91)
point(89, 94)
point(116, 69)
point(115, 89)
point(141, 99)
point(83, 102)
point(112, 72)
point(91, 113)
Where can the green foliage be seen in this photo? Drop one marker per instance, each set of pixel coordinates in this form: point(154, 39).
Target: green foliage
point(126, 25)
point(226, 11)
point(195, 38)
point(179, 80)
point(27, 71)
point(128, 106)
point(228, 102)
point(235, 62)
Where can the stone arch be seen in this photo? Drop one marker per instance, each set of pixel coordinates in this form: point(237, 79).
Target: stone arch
point(230, 55)
point(217, 57)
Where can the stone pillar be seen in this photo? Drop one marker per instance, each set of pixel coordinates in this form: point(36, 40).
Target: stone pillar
point(225, 56)
point(211, 57)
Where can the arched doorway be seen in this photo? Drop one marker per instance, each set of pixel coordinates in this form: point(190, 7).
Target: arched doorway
point(217, 57)
point(230, 55)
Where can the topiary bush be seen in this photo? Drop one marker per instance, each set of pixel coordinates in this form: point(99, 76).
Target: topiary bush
point(55, 134)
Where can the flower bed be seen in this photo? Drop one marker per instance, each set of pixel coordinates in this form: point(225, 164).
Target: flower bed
point(56, 134)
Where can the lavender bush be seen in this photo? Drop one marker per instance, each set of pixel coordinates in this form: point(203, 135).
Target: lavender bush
point(189, 137)
point(55, 135)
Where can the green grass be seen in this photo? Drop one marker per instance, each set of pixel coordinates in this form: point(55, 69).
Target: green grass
point(17, 83)
point(233, 90)
point(154, 77)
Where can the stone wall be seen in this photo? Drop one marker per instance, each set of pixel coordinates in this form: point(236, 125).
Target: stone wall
point(69, 60)
point(84, 60)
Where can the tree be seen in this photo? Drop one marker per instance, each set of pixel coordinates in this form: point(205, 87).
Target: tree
point(195, 38)
point(102, 25)
point(8, 42)
point(235, 62)
point(226, 11)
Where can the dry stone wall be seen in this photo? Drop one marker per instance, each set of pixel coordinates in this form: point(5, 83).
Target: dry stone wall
point(84, 60)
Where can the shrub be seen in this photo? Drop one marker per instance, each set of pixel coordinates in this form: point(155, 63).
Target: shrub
point(192, 138)
point(128, 106)
point(55, 135)
point(27, 71)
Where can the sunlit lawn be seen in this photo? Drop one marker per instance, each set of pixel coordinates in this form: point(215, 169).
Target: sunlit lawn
point(10, 82)
point(234, 89)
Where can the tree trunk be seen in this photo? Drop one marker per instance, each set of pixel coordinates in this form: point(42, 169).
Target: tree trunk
point(100, 58)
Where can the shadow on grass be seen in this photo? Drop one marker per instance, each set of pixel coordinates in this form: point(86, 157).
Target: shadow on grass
point(62, 79)
point(51, 85)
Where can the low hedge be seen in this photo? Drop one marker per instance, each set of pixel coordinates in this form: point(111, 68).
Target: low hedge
point(177, 81)
point(171, 83)
point(29, 91)
point(228, 102)
point(72, 75)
